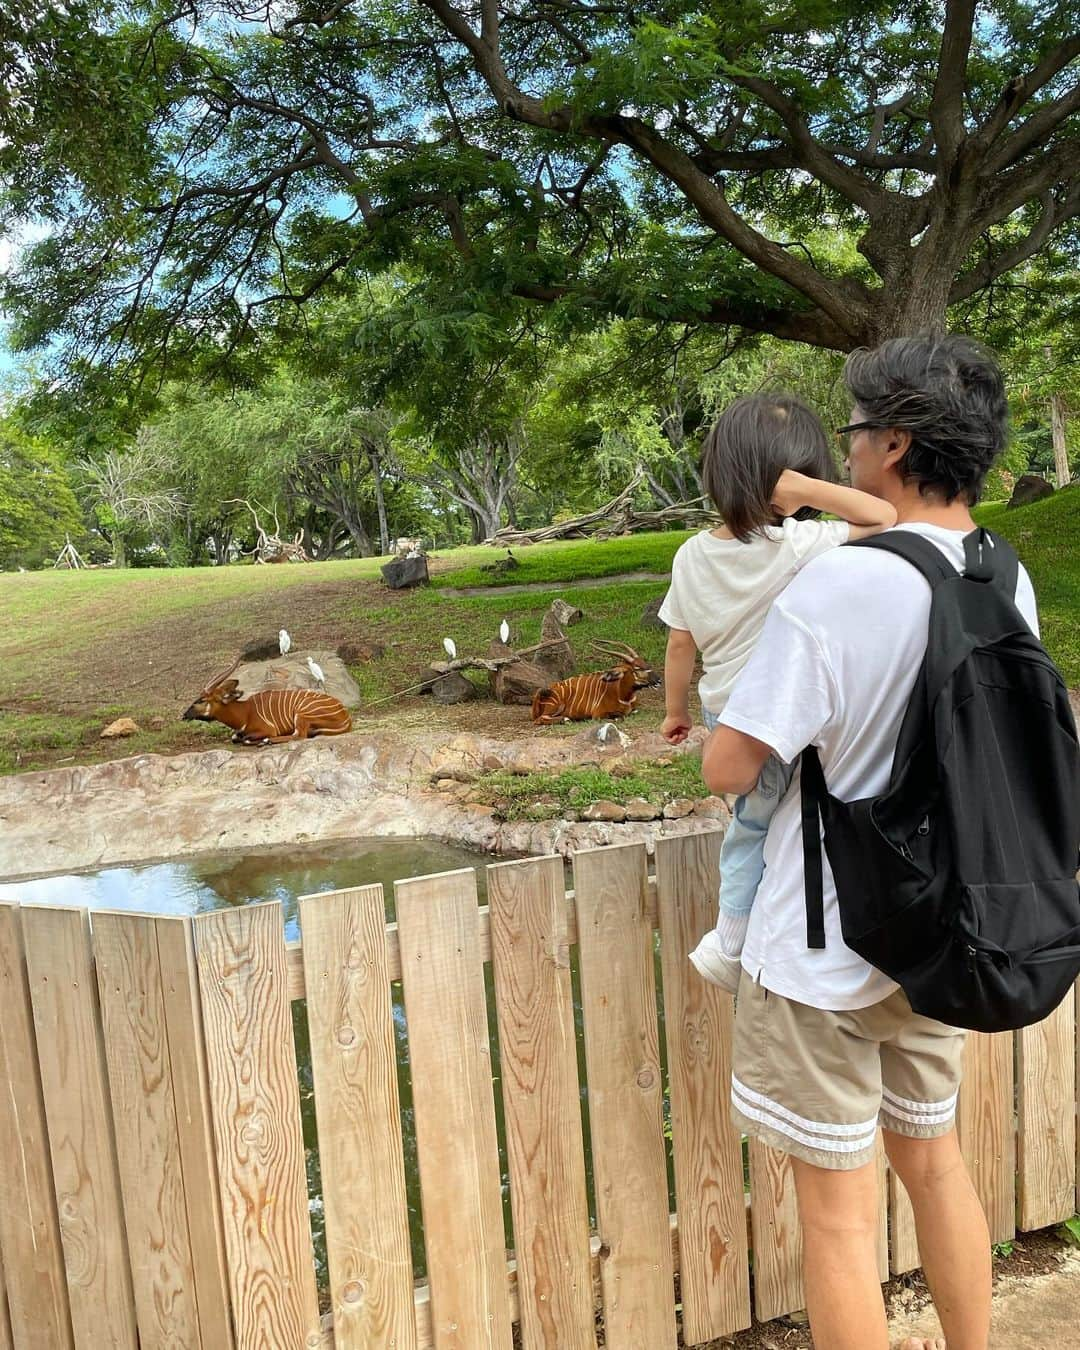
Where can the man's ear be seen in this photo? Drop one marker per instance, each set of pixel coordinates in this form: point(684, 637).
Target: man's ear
point(897, 442)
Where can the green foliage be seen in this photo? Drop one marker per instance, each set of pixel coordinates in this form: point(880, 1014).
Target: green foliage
point(1070, 1230)
point(1002, 1250)
point(575, 789)
point(574, 559)
point(38, 508)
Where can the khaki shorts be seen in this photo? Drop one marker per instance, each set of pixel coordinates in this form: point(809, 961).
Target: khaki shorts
point(818, 1084)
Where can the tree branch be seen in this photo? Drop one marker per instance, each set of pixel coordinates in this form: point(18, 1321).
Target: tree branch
point(1018, 91)
point(1036, 129)
point(1053, 215)
point(947, 101)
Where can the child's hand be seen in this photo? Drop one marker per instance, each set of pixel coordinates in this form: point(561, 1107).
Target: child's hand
point(789, 495)
point(675, 729)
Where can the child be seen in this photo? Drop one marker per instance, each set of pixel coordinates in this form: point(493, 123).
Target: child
point(767, 466)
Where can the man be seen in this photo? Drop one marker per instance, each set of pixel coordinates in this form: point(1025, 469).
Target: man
point(826, 1047)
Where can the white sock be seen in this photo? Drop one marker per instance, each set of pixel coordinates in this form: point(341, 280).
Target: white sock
point(731, 930)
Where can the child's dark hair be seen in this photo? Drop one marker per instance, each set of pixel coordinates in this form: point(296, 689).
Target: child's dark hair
point(754, 440)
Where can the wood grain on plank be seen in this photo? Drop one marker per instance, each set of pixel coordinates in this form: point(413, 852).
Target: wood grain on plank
point(147, 1147)
point(195, 1135)
point(777, 1235)
point(454, 1109)
point(255, 1106)
point(538, 1067)
point(1046, 1109)
point(6, 1342)
point(904, 1248)
point(985, 1125)
point(354, 1065)
point(618, 995)
point(698, 1020)
point(77, 1108)
point(29, 1226)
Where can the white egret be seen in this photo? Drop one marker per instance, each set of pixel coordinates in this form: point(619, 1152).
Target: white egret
point(504, 632)
point(451, 648)
point(284, 642)
point(316, 672)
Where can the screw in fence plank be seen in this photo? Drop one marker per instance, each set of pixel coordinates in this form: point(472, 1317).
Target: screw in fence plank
point(777, 1235)
point(985, 1117)
point(255, 1107)
point(454, 1110)
point(1046, 1114)
point(354, 1065)
point(622, 1054)
point(29, 1225)
point(538, 1066)
point(195, 1132)
point(79, 1116)
point(714, 1276)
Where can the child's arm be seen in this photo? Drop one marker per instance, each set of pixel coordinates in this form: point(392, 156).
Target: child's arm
point(678, 672)
point(866, 514)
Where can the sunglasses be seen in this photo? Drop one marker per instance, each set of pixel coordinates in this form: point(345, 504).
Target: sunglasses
point(858, 426)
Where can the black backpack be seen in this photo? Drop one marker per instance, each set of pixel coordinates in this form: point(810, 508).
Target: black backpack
point(959, 881)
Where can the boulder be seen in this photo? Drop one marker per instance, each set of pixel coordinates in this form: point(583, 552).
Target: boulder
point(492, 764)
point(637, 808)
point(453, 688)
point(359, 653)
point(559, 659)
point(565, 613)
point(123, 726)
point(650, 615)
point(679, 809)
point(405, 572)
point(605, 810)
point(1030, 488)
point(517, 682)
point(260, 649)
point(714, 808)
point(291, 672)
point(156, 724)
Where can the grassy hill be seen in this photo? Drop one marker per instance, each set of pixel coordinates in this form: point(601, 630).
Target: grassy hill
point(78, 649)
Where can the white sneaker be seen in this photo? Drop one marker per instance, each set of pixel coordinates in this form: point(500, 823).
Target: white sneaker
point(711, 964)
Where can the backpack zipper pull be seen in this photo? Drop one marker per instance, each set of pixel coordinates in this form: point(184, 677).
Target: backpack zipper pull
point(924, 827)
point(971, 959)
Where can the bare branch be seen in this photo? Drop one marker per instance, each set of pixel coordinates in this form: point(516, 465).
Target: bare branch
point(1035, 130)
point(1018, 91)
point(1053, 215)
point(947, 102)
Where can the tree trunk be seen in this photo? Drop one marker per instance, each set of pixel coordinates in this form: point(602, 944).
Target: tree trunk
point(119, 549)
point(380, 498)
point(1057, 431)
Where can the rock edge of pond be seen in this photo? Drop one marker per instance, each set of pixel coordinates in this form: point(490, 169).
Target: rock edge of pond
point(376, 785)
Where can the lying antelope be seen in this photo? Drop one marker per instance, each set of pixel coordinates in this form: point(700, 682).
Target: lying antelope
point(606, 693)
point(269, 717)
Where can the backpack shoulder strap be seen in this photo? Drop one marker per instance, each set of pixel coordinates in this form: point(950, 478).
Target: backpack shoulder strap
point(924, 556)
point(812, 788)
point(988, 557)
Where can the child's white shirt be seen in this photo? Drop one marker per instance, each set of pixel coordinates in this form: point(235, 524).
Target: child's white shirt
point(721, 591)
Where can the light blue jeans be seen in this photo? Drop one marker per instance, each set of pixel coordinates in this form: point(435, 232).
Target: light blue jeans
point(742, 854)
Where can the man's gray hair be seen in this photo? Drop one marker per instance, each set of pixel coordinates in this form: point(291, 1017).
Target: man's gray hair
point(948, 392)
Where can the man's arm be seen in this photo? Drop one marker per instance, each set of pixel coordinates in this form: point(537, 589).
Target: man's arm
point(732, 761)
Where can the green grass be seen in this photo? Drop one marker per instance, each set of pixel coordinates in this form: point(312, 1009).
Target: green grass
point(1046, 535)
point(574, 789)
point(574, 559)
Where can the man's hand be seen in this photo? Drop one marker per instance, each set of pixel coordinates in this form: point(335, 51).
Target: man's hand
point(675, 728)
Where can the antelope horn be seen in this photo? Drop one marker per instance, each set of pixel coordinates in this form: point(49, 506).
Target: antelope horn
point(223, 676)
point(616, 649)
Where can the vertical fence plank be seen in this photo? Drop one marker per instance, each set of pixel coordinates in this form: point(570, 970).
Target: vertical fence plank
point(354, 1066)
point(713, 1268)
point(6, 1342)
point(776, 1234)
point(904, 1251)
point(77, 1109)
point(148, 1151)
point(255, 1106)
point(538, 1064)
point(1046, 1137)
point(622, 1053)
point(985, 1121)
point(29, 1227)
point(183, 1019)
point(454, 1108)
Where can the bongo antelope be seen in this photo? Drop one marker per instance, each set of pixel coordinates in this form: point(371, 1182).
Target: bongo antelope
point(269, 717)
point(606, 693)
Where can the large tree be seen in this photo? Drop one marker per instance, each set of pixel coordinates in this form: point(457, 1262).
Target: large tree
point(832, 173)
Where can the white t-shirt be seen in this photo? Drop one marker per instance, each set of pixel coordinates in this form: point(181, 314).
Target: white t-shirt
point(721, 591)
point(834, 667)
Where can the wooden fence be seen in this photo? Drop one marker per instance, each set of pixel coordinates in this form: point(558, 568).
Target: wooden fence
point(152, 1170)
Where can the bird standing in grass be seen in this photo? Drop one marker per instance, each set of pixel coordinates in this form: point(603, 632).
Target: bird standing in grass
point(284, 642)
point(316, 672)
point(504, 632)
point(451, 648)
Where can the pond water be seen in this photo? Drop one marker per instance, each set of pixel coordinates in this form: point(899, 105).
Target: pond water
point(217, 881)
